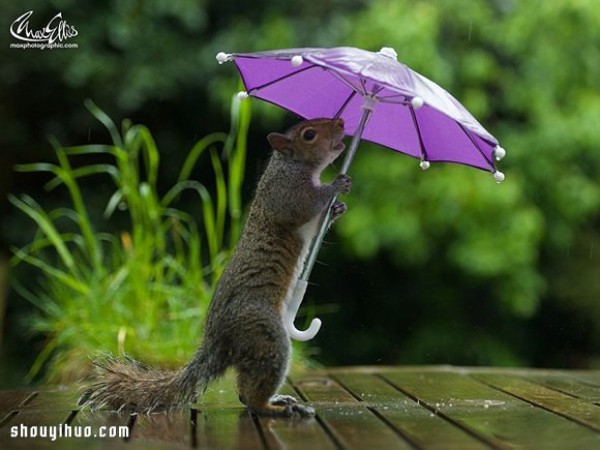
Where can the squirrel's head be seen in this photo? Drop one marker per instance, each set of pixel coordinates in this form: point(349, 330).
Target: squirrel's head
point(316, 142)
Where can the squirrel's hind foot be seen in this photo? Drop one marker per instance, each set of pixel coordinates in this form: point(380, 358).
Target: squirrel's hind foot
point(284, 410)
point(291, 404)
point(282, 406)
point(283, 400)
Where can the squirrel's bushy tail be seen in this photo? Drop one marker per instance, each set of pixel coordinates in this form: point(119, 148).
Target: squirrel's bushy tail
point(124, 384)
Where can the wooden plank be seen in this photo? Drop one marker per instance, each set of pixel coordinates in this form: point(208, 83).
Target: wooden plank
point(418, 424)
point(294, 433)
point(60, 399)
point(227, 428)
point(10, 400)
point(567, 384)
point(566, 405)
point(322, 389)
point(591, 377)
point(349, 423)
point(38, 418)
point(490, 414)
point(355, 427)
point(172, 429)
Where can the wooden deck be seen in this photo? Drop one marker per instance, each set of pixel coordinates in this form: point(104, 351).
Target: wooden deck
point(357, 408)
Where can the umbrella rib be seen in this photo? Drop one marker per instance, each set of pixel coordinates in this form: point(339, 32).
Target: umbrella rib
point(416, 124)
point(363, 85)
point(288, 75)
point(343, 107)
point(343, 79)
point(398, 99)
point(490, 162)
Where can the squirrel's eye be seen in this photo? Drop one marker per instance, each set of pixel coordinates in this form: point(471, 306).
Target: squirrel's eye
point(309, 135)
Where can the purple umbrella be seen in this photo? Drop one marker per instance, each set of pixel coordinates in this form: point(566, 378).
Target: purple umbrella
point(381, 100)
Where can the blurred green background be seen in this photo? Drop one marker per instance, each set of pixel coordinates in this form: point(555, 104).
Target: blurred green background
point(443, 266)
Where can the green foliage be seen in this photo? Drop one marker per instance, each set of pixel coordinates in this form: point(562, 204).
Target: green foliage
point(456, 216)
point(145, 290)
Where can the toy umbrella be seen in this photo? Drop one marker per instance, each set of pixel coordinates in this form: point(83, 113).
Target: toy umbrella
point(381, 100)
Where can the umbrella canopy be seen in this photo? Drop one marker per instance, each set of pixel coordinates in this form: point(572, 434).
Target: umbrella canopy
point(410, 113)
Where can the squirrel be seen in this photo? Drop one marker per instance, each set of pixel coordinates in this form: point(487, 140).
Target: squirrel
point(244, 326)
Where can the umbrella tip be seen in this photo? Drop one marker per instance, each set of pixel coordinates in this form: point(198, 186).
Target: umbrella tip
point(417, 102)
point(297, 60)
point(499, 153)
point(242, 95)
point(424, 164)
point(389, 52)
point(223, 57)
point(499, 176)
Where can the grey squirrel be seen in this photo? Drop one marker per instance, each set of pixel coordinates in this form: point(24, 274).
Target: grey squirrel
point(244, 327)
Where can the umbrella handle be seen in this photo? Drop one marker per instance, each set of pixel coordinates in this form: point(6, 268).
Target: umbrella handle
point(292, 310)
point(302, 283)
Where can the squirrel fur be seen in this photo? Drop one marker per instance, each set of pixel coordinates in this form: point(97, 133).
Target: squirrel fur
point(244, 327)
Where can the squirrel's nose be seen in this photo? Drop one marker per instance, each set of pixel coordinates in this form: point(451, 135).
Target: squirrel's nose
point(340, 122)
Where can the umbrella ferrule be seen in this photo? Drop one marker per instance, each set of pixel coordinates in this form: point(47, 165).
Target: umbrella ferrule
point(389, 52)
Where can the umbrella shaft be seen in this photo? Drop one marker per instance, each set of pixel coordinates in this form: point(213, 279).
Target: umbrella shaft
point(355, 141)
point(326, 219)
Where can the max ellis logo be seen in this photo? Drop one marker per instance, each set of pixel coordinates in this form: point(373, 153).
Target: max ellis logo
point(51, 36)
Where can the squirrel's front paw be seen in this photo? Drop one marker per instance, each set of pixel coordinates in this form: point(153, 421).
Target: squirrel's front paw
point(343, 183)
point(337, 209)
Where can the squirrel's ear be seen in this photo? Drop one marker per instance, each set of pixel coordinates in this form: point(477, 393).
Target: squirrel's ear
point(279, 142)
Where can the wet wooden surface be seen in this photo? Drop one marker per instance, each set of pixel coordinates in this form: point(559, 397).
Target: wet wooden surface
point(357, 408)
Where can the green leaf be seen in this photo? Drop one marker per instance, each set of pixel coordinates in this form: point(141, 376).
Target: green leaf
point(106, 121)
point(32, 209)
